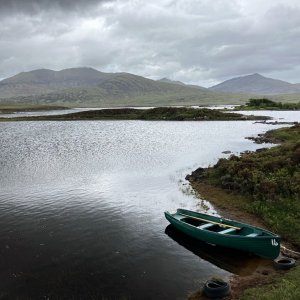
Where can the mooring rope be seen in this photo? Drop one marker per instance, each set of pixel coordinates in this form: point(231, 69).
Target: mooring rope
point(289, 250)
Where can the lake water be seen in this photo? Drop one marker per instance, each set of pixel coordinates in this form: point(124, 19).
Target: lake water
point(82, 207)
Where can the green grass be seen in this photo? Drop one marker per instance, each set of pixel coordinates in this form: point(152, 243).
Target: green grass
point(286, 288)
point(291, 135)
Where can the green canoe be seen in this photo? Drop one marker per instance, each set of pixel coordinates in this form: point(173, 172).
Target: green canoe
point(226, 233)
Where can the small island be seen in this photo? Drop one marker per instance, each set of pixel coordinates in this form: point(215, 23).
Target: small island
point(266, 104)
point(155, 114)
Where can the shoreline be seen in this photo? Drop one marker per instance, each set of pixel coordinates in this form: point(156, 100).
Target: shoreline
point(234, 205)
point(265, 273)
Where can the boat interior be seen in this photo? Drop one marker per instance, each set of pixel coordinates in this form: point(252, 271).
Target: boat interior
point(222, 228)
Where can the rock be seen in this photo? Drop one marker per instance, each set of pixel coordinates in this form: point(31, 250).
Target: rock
point(261, 149)
point(196, 175)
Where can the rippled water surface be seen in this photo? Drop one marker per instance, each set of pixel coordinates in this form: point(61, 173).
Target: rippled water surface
point(82, 207)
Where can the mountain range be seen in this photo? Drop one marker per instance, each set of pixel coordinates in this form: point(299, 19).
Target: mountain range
point(89, 87)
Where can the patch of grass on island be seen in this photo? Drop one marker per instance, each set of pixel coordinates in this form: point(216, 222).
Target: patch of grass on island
point(159, 113)
point(266, 104)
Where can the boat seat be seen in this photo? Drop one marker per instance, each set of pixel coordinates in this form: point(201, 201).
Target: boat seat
point(206, 226)
point(254, 234)
point(228, 230)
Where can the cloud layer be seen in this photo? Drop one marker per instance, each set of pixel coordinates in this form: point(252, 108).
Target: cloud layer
point(201, 42)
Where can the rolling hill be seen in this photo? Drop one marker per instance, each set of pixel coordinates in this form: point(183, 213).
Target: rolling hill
point(47, 81)
point(167, 80)
point(89, 87)
point(256, 84)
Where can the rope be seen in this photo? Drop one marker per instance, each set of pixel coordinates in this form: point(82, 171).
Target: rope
point(289, 250)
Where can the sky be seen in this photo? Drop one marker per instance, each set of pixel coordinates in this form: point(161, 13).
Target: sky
point(201, 42)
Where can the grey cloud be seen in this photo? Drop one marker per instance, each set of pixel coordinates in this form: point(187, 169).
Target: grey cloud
point(35, 6)
point(200, 42)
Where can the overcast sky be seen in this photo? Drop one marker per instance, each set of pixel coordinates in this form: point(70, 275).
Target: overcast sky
point(195, 41)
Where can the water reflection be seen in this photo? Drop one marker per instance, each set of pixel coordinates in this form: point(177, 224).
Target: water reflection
point(231, 260)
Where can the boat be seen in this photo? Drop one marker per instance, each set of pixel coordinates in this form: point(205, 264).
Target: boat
point(225, 232)
point(232, 260)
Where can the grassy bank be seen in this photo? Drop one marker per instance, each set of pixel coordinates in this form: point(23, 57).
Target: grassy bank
point(159, 113)
point(264, 184)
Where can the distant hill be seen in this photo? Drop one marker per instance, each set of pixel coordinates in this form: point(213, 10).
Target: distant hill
point(47, 81)
point(89, 87)
point(256, 84)
point(167, 80)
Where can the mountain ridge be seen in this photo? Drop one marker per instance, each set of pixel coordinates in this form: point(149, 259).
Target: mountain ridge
point(86, 86)
point(79, 86)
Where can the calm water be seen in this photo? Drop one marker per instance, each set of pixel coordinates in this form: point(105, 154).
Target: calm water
point(82, 207)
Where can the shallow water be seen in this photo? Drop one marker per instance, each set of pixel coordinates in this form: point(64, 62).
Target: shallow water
point(82, 207)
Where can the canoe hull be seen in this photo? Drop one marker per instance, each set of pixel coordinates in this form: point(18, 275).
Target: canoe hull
point(265, 246)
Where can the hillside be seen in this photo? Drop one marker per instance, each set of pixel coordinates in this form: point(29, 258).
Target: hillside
point(256, 84)
point(46, 81)
point(89, 87)
point(167, 80)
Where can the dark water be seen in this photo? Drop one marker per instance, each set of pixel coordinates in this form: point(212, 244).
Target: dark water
point(82, 207)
